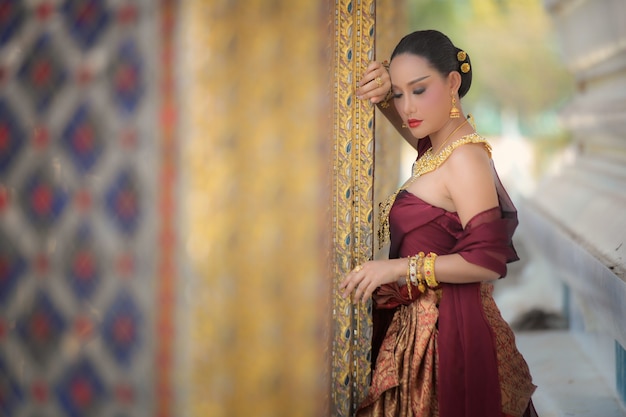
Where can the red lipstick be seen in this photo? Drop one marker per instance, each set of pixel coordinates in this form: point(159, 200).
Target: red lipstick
point(413, 123)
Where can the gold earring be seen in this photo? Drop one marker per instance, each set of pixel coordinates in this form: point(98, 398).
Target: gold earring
point(454, 112)
point(404, 125)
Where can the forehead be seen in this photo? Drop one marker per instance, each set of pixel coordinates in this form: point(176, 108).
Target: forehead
point(407, 67)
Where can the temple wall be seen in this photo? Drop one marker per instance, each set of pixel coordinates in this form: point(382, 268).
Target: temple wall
point(576, 218)
point(255, 197)
point(183, 185)
point(88, 243)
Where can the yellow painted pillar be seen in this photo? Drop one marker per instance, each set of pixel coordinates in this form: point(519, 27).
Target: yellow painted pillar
point(357, 35)
point(256, 121)
point(278, 203)
point(353, 134)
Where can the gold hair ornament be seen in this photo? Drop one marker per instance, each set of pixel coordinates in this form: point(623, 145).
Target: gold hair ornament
point(465, 67)
point(461, 56)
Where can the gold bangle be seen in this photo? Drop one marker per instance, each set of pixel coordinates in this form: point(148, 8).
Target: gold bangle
point(408, 279)
point(429, 270)
point(408, 287)
point(413, 270)
point(420, 276)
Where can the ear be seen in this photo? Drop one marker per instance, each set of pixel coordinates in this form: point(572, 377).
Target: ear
point(454, 81)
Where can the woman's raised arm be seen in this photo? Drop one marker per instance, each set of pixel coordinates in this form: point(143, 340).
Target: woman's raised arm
point(375, 86)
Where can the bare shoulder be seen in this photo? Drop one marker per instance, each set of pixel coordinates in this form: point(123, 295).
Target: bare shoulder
point(470, 156)
point(469, 180)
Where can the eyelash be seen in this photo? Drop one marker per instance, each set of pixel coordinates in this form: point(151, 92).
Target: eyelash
point(417, 92)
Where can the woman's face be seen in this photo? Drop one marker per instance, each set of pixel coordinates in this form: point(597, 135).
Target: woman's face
point(421, 94)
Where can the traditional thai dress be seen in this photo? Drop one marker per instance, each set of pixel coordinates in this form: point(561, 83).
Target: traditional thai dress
point(447, 352)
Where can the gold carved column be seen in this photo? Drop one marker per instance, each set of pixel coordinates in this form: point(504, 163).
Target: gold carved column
point(359, 28)
point(353, 169)
point(256, 122)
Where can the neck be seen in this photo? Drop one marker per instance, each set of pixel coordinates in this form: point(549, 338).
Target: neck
point(438, 145)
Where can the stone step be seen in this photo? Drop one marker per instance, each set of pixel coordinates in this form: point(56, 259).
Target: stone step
point(568, 383)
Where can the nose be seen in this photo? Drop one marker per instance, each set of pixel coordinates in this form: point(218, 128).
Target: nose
point(407, 105)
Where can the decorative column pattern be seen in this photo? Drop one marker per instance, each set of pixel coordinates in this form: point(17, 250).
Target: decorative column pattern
point(353, 167)
point(256, 203)
point(80, 211)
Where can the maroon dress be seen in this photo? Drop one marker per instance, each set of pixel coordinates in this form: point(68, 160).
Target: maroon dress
point(461, 359)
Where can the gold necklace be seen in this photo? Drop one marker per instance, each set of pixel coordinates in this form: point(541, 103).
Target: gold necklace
point(428, 162)
point(448, 137)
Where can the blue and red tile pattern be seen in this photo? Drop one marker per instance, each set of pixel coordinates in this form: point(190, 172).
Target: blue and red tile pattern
point(87, 177)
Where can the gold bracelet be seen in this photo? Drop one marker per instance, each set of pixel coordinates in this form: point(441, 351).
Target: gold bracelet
point(420, 276)
point(385, 103)
point(429, 270)
point(408, 279)
point(413, 270)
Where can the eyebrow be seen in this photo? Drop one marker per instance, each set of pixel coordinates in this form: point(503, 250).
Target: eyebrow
point(415, 81)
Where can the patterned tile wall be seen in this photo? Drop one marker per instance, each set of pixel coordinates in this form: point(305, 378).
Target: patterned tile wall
point(81, 207)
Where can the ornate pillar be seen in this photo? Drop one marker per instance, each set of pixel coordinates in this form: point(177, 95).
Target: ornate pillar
point(256, 203)
point(352, 214)
point(353, 182)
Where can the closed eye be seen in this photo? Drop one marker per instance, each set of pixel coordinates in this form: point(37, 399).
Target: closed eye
point(419, 90)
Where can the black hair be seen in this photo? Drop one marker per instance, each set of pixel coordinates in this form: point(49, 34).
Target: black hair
point(439, 50)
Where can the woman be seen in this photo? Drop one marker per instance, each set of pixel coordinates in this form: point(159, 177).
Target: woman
point(440, 346)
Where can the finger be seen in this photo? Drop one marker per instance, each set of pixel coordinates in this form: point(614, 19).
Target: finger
point(372, 67)
point(351, 284)
point(368, 292)
point(349, 275)
point(374, 96)
point(375, 69)
point(372, 89)
point(346, 281)
point(379, 86)
point(371, 76)
point(359, 293)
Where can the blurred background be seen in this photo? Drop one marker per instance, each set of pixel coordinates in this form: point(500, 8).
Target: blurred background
point(183, 183)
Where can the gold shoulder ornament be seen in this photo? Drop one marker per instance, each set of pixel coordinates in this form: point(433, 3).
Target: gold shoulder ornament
point(425, 164)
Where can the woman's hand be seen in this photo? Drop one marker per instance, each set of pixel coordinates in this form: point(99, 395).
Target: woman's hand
point(375, 83)
point(366, 278)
